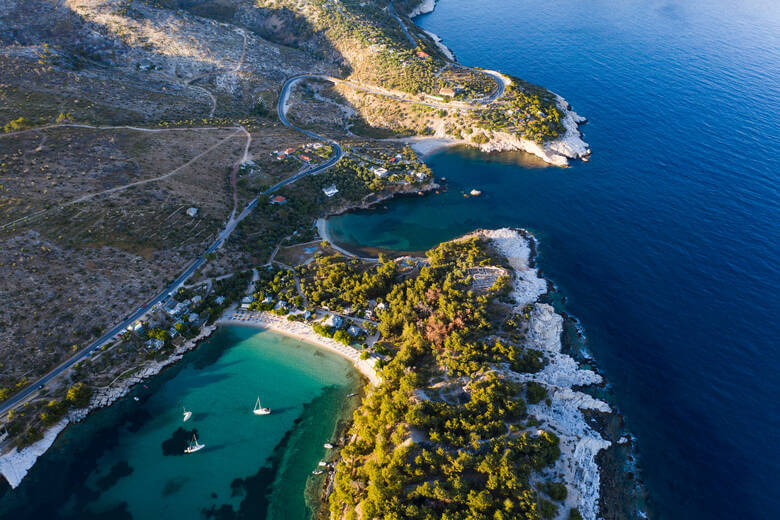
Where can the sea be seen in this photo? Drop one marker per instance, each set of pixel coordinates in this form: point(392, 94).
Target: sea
point(127, 461)
point(666, 244)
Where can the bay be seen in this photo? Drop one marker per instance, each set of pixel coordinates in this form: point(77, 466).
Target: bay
point(127, 460)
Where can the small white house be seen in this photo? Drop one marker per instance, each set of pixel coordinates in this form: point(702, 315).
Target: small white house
point(192, 211)
point(247, 299)
point(154, 344)
point(333, 321)
point(196, 299)
point(379, 172)
point(173, 332)
point(192, 317)
point(354, 331)
point(330, 190)
point(219, 300)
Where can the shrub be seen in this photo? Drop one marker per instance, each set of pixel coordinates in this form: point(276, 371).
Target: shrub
point(555, 490)
point(531, 362)
point(479, 138)
point(79, 395)
point(535, 392)
point(547, 509)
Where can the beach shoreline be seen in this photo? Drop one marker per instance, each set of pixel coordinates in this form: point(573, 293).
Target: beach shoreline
point(304, 333)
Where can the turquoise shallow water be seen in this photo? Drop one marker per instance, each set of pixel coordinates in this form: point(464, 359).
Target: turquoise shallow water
point(129, 456)
point(666, 243)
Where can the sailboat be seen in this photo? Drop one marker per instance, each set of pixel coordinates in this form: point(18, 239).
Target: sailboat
point(259, 410)
point(194, 445)
point(187, 415)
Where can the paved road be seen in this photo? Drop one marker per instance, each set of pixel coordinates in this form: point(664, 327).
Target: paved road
point(403, 25)
point(495, 75)
point(223, 235)
point(25, 394)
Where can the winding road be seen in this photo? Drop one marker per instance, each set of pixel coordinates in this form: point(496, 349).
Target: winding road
point(28, 392)
point(282, 106)
point(500, 85)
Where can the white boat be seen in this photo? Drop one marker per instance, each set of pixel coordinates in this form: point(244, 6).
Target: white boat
point(259, 410)
point(136, 399)
point(322, 464)
point(194, 445)
point(328, 445)
point(475, 193)
point(317, 472)
point(187, 415)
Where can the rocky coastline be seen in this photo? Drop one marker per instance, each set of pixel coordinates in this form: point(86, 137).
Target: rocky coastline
point(15, 464)
point(558, 152)
point(563, 378)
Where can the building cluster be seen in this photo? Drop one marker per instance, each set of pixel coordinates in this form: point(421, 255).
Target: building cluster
point(170, 318)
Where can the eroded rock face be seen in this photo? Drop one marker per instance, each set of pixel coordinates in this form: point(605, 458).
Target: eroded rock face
point(558, 152)
point(426, 6)
point(563, 415)
point(579, 442)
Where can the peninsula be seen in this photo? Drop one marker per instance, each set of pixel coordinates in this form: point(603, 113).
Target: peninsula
point(163, 166)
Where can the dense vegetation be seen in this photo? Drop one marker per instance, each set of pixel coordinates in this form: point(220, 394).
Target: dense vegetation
point(445, 436)
point(335, 282)
point(525, 109)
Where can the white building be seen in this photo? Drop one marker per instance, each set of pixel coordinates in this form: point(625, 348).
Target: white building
point(379, 172)
point(332, 321)
point(330, 190)
point(192, 211)
point(154, 344)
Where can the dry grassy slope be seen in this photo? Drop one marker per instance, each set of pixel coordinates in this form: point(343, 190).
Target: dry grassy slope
point(87, 265)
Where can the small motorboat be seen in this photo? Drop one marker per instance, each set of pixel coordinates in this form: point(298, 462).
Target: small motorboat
point(194, 445)
point(135, 399)
point(187, 415)
point(317, 472)
point(322, 464)
point(328, 446)
point(259, 410)
point(475, 193)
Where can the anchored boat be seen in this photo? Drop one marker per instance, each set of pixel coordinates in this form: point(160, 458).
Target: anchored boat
point(187, 415)
point(194, 445)
point(259, 410)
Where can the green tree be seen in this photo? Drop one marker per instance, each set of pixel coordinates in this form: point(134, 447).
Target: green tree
point(79, 395)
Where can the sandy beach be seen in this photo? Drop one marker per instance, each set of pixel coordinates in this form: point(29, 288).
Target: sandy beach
point(303, 332)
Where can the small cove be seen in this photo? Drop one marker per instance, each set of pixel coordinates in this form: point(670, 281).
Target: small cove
point(126, 461)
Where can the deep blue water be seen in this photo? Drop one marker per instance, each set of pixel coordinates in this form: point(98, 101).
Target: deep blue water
point(666, 243)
